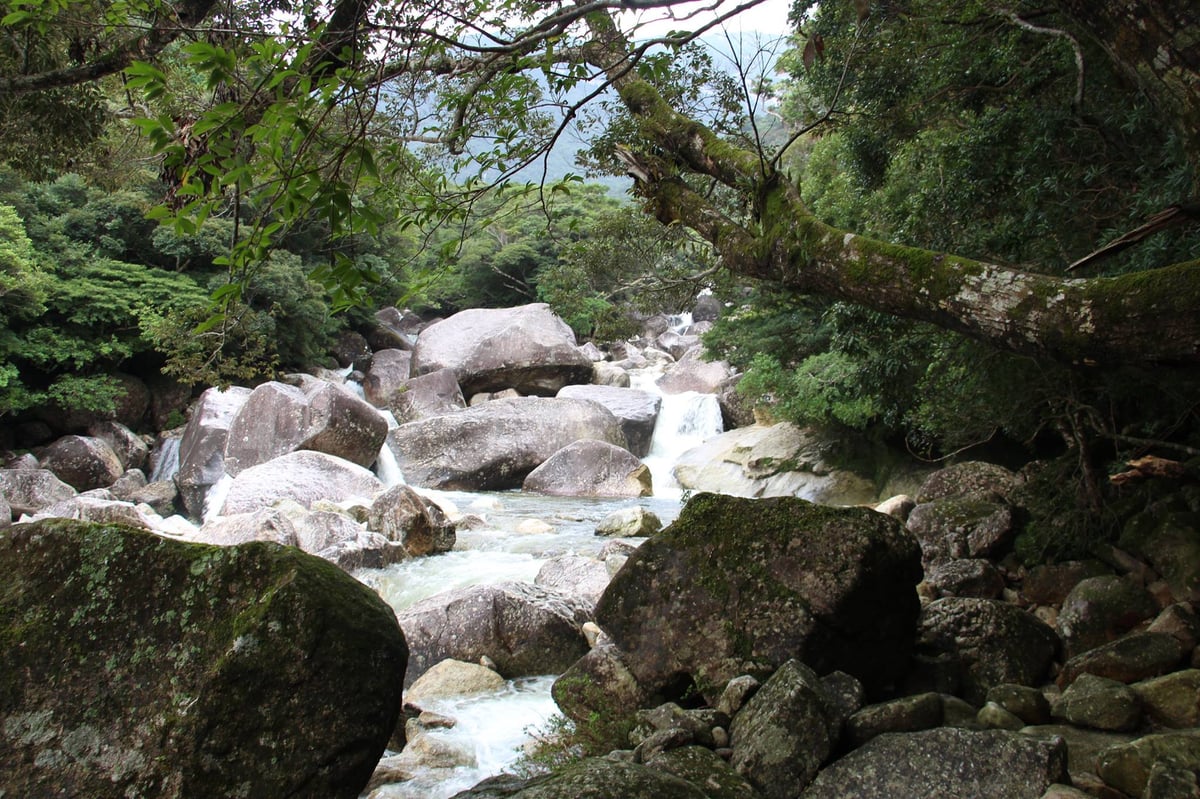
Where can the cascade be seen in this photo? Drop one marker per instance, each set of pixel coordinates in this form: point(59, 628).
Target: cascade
point(166, 462)
point(684, 421)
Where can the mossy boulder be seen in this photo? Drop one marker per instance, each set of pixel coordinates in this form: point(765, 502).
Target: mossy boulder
point(594, 778)
point(133, 665)
point(739, 586)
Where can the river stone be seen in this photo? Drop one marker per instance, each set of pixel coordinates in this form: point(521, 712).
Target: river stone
point(598, 685)
point(593, 778)
point(591, 468)
point(525, 629)
point(527, 348)
point(316, 530)
point(1137, 656)
point(1052, 583)
point(29, 490)
point(1099, 703)
point(432, 394)
point(969, 477)
point(150, 667)
point(303, 476)
point(1025, 702)
point(961, 527)
point(1127, 767)
point(452, 678)
point(577, 575)
point(636, 410)
point(271, 422)
point(945, 764)
point(906, 714)
point(341, 424)
point(1101, 609)
point(833, 587)
point(264, 524)
point(390, 370)
point(129, 447)
point(1172, 700)
point(401, 514)
point(635, 522)
point(605, 373)
point(783, 734)
point(82, 462)
point(703, 768)
point(202, 447)
point(972, 577)
point(987, 643)
point(693, 374)
point(782, 460)
point(98, 510)
point(493, 446)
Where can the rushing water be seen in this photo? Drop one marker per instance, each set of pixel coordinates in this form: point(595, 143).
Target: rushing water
point(510, 537)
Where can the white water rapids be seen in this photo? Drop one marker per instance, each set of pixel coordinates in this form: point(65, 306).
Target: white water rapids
point(492, 728)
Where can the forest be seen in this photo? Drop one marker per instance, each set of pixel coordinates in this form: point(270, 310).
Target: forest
point(976, 233)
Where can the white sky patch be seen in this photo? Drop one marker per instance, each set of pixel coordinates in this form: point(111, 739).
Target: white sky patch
point(769, 18)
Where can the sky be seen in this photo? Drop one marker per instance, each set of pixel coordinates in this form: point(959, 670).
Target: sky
point(770, 17)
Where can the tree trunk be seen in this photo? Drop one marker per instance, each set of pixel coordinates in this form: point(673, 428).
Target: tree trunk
point(1148, 317)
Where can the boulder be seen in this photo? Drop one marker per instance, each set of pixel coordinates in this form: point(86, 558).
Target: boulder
point(961, 527)
point(1052, 583)
point(598, 684)
point(131, 450)
point(677, 344)
point(30, 490)
point(366, 550)
point(832, 587)
point(159, 495)
point(495, 445)
point(433, 394)
point(1127, 767)
point(704, 768)
point(97, 509)
point(83, 462)
point(1098, 703)
point(394, 328)
point(783, 735)
point(636, 410)
point(524, 629)
point(985, 643)
point(390, 370)
point(1171, 700)
point(609, 374)
point(341, 424)
point(452, 678)
point(303, 476)
point(972, 577)
point(1101, 609)
point(1168, 538)
point(527, 348)
point(945, 763)
point(202, 447)
point(782, 460)
point(271, 422)
point(969, 477)
point(575, 575)
point(150, 667)
point(264, 524)
point(693, 374)
point(591, 468)
point(401, 514)
point(1137, 656)
point(905, 714)
point(635, 522)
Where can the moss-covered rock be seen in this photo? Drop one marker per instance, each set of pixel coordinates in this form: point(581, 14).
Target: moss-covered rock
point(594, 778)
point(739, 586)
point(1127, 767)
point(132, 665)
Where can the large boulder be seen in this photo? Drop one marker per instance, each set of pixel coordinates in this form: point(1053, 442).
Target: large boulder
point(961, 527)
point(202, 447)
point(131, 450)
point(390, 369)
point(401, 514)
point(432, 394)
point(781, 460)
point(591, 468)
point(303, 476)
point(264, 524)
point(495, 445)
point(525, 629)
point(594, 778)
point(636, 410)
point(30, 490)
point(271, 422)
point(527, 348)
point(832, 587)
point(691, 373)
point(945, 763)
point(341, 424)
point(83, 462)
point(150, 667)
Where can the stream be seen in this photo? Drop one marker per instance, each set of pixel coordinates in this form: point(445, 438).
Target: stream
point(491, 728)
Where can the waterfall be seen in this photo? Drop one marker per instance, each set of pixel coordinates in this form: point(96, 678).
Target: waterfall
point(387, 468)
point(166, 460)
point(684, 421)
point(214, 498)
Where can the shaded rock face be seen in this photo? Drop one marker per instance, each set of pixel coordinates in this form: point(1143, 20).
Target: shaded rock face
point(390, 369)
point(269, 423)
point(149, 667)
point(591, 469)
point(832, 587)
point(1003, 765)
point(636, 410)
point(340, 424)
point(525, 629)
point(401, 514)
point(527, 348)
point(495, 445)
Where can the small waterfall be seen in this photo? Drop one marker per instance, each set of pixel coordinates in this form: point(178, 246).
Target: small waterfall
point(214, 499)
point(166, 460)
point(387, 469)
point(684, 421)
